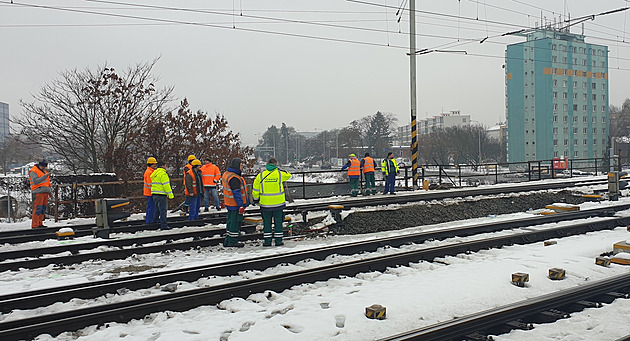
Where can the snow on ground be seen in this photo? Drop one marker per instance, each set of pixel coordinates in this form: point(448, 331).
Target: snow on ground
point(416, 295)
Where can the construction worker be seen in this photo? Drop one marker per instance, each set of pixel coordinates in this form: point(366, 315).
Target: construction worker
point(151, 166)
point(193, 189)
point(161, 191)
point(187, 167)
point(211, 175)
point(39, 177)
point(268, 191)
point(367, 166)
point(235, 200)
point(390, 170)
point(354, 173)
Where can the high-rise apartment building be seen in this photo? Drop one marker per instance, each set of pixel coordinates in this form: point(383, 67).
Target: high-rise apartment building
point(4, 121)
point(556, 96)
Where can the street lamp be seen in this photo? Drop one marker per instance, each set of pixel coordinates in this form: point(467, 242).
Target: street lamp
point(479, 134)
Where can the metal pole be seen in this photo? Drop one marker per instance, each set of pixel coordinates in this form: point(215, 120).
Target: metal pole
point(412, 69)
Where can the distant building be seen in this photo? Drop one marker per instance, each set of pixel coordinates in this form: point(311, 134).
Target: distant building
point(4, 121)
point(428, 125)
point(498, 132)
point(556, 96)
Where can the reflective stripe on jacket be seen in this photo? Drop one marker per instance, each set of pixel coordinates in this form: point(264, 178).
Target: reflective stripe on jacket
point(268, 186)
point(355, 167)
point(368, 165)
point(161, 184)
point(147, 181)
point(228, 195)
point(210, 175)
point(39, 180)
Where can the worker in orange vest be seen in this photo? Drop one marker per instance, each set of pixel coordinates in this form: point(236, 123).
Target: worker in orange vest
point(39, 177)
point(211, 176)
point(150, 211)
point(194, 190)
point(354, 173)
point(367, 166)
point(187, 167)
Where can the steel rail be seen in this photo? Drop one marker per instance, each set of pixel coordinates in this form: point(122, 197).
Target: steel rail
point(185, 300)
point(137, 248)
point(20, 236)
point(458, 328)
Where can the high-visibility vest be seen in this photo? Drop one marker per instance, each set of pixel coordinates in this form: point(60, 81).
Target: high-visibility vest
point(368, 165)
point(385, 167)
point(161, 184)
point(269, 188)
point(147, 181)
point(210, 174)
point(355, 167)
point(39, 173)
point(194, 183)
point(187, 167)
point(228, 195)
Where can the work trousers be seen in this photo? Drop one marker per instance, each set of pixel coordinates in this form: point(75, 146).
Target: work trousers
point(40, 204)
point(390, 182)
point(148, 218)
point(193, 209)
point(354, 186)
point(369, 183)
point(232, 227)
point(215, 196)
point(161, 205)
point(276, 233)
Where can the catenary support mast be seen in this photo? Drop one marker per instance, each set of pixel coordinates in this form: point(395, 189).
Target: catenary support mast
point(412, 70)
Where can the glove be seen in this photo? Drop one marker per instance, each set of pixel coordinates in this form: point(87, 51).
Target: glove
point(241, 210)
point(256, 201)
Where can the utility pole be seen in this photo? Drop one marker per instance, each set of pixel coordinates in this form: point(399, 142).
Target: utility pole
point(412, 70)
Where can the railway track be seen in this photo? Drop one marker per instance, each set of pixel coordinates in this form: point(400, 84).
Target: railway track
point(180, 301)
point(131, 246)
point(22, 236)
point(521, 315)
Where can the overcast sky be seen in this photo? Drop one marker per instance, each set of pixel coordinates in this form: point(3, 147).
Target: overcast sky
point(311, 64)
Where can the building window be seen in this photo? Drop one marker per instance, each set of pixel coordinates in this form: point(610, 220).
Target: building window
point(565, 130)
point(555, 131)
point(603, 98)
point(565, 95)
point(566, 142)
point(575, 142)
point(575, 118)
point(585, 97)
point(603, 86)
point(594, 97)
point(583, 85)
point(575, 130)
point(555, 154)
point(585, 131)
point(603, 119)
point(594, 86)
point(594, 120)
point(584, 142)
point(603, 142)
point(575, 95)
point(555, 143)
point(584, 119)
point(564, 84)
point(594, 130)
point(594, 108)
point(574, 84)
point(574, 61)
point(583, 62)
point(584, 107)
point(555, 107)
point(565, 107)
point(575, 153)
point(594, 64)
point(575, 107)
point(555, 95)
point(553, 47)
point(555, 118)
point(564, 60)
point(603, 109)
point(603, 64)
point(564, 48)
point(594, 141)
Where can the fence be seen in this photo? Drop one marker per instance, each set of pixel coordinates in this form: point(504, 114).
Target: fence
point(77, 199)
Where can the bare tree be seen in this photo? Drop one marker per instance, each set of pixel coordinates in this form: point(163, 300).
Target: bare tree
point(91, 117)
